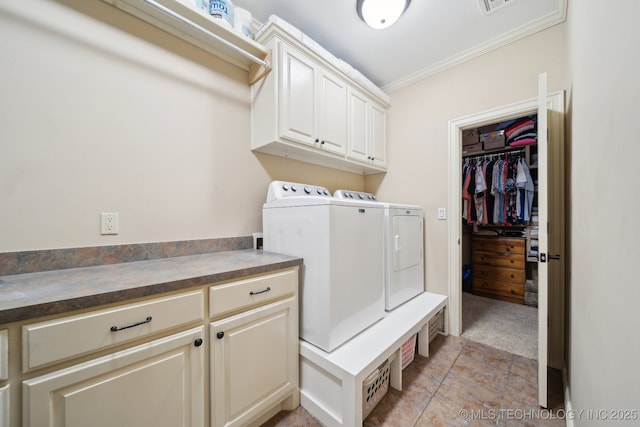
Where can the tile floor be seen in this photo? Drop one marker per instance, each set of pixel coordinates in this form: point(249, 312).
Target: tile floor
point(459, 377)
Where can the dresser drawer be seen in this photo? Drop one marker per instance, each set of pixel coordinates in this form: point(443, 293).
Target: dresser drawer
point(510, 275)
point(243, 294)
point(55, 340)
point(508, 260)
point(499, 245)
point(513, 292)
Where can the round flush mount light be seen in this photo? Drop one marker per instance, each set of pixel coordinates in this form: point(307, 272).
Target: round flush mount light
point(380, 14)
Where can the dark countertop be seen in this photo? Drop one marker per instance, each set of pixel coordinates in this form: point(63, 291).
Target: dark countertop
point(31, 295)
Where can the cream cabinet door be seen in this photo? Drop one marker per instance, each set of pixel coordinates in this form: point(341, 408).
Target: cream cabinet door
point(358, 119)
point(5, 418)
point(4, 354)
point(298, 97)
point(157, 384)
point(332, 114)
point(254, 362)
point(378, 138)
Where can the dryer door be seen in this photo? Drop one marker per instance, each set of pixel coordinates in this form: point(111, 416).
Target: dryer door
point(404, 270)
point(407, 241)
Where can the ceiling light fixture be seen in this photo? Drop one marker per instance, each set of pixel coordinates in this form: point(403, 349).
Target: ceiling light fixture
point(380, 14)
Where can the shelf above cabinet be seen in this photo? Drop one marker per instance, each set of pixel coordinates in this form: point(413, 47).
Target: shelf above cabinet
point(196, 27)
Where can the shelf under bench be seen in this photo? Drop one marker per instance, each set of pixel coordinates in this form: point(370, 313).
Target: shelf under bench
point(331, 383)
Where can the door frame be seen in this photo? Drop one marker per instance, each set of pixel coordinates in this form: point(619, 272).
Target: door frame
point(555, 101)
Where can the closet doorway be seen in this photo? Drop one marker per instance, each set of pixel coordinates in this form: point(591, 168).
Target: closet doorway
point(550, 114)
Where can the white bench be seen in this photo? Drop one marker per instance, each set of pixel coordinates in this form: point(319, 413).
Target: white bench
point(331, 383)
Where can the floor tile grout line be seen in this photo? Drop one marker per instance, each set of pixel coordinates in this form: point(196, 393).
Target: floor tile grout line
point(433, 395)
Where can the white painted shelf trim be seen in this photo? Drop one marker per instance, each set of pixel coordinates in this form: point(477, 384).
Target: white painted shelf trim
point(196, 27)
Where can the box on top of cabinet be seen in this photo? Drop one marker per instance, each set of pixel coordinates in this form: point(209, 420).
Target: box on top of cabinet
point(470, 136)
point(493, 140)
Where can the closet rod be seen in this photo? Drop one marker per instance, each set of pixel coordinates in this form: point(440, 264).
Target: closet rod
point(203, 30)
point(520, 152)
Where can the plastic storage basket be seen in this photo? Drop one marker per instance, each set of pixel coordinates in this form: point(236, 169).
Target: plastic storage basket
point(374, 387)
point(436, 325)
point(408, 351)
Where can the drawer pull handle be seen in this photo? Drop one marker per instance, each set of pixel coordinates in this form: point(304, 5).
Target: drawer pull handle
point(260, 292)
point(120, 328)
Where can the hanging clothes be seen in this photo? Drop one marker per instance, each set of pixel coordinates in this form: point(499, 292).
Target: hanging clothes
point(497, 191)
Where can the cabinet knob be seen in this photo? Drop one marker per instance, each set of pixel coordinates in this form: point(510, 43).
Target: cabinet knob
point(322, 142)
point(220, 335)
point(198, 342)
point(317, 140)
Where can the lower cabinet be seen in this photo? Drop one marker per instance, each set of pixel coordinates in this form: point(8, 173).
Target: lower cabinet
point(145, 363)
point(254, 363)
point(156, 384)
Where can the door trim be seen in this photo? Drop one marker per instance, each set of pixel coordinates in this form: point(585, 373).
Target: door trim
point(456, 126)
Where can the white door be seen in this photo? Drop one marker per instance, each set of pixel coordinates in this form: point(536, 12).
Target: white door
point(551, 235)
point(543, 247)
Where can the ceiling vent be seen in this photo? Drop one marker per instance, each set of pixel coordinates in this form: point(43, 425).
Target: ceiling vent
point(489, 6)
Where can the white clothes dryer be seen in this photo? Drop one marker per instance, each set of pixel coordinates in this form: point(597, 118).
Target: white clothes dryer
point(341, 288)
point(404, 243)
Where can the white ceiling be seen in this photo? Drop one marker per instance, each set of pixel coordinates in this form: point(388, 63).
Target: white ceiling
point(431, 36)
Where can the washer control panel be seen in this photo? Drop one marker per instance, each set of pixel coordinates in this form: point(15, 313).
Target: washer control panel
point(283, 189)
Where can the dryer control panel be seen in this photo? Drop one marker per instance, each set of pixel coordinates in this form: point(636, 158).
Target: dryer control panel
point(354, 195)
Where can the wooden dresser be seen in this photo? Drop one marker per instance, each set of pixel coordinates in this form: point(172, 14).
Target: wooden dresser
point(498, 268)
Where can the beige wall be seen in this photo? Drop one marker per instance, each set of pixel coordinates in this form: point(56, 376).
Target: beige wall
point(604, 317)
point(113, 115)
point(418, 127)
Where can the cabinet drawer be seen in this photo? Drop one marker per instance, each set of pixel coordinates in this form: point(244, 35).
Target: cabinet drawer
point(495, 287)
point(510, 275)
point(508, 260)
point(56, 340)
point(498, 245)
point(255, 291)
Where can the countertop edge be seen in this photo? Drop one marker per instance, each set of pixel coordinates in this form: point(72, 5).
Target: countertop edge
point(36, 309)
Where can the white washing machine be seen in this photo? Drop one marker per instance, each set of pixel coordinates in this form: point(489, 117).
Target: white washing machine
point(403, 241)
point(341, 242)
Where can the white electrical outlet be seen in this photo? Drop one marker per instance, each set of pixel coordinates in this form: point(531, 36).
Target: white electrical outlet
point(442, 213)
point(109, 223)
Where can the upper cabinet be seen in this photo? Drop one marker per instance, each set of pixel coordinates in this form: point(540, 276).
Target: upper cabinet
point(367, 139)
point(314, 104)
point(310, 110)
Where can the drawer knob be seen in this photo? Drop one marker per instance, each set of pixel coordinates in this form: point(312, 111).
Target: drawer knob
point(220, 335)
point(260, 292)
point(120, 328)
point(198, 342)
